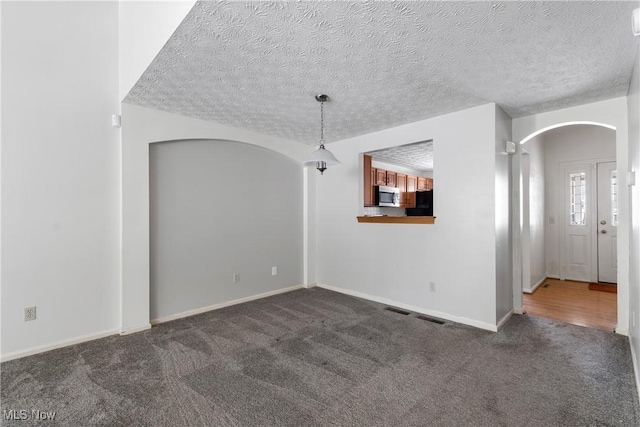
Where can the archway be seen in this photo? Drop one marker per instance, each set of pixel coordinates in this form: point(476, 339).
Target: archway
point(142, 127)
point(609, 114)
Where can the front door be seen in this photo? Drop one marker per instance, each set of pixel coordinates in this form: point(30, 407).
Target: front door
point(607, 222)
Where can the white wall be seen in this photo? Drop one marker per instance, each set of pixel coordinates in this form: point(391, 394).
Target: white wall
point(612, 112)
point(219, 208)
point(60, 172)
point(536, 212)
point(634, 165)
point(396, 262)
point(504, 289)
point(144, 126)
point(145, 27)
point(582, 143)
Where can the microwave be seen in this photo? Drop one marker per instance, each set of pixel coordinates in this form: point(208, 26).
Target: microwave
point(387, 196)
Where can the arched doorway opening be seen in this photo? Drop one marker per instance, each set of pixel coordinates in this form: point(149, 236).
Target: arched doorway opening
point(568, 222)
point(611, 114)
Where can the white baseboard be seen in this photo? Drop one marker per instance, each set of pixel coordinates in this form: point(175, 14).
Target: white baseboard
point(636, 368)
point(433, 313)
point(223, 304)
point(536, 286)
point(129, 331)
point(56, 345)
point(505, 318)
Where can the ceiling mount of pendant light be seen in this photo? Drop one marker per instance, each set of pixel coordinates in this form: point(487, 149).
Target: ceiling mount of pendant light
point(322, 158)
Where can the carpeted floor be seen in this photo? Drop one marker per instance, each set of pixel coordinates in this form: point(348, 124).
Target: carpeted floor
point(318, 358)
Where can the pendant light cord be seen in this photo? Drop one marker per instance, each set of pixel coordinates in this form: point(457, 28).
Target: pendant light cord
point(322, 124)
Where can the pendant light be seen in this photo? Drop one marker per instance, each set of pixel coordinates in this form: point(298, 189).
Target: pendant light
point(322, 158)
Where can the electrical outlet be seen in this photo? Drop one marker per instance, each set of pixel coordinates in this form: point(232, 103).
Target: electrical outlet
point(432, 286)
point(236, 277)
point(29, 313)
point(274, 271)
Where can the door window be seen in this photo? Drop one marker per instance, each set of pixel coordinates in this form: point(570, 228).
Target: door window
point(578, 200)
point(614, 198)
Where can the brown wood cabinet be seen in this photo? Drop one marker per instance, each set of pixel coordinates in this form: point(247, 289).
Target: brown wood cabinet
point(407, 184)
point(391, 179)
point(424, 183)
point(369, 179)
point(401, 183)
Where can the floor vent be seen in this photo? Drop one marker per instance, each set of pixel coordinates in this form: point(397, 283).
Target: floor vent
point(431, 319)
point(397, 310)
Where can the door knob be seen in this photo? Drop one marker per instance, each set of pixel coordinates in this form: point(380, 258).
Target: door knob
point(603, 232)
point(603, 222)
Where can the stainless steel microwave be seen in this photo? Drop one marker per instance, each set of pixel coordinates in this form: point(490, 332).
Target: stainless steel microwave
point(387, 196)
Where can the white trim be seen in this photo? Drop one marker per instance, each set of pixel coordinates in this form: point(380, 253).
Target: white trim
point(536, 286)
point(141, 328)
point(636, 368)
point(310, 285)
point(558, 125)
point(439, 314)
point(505, 318)
point(57, 345)
point(520, 310)
point(621, 331)
point(223, 304)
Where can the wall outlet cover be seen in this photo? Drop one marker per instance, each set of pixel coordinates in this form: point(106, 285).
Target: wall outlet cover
point(29, 313)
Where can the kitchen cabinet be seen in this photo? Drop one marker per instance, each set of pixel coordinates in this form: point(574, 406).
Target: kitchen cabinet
point(369, 179)
point(412, 186)
point(425, 184)
point(407, 186)
point(391, 179)
point(401, 183)
point(385, 177)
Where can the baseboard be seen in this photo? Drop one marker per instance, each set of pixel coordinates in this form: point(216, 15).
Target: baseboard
point(536, 286)
point(57, 345)
point(433, 313)
point(520, 310)
point(310, 285)
point(636, 368)
point(129, 331)
point(223, 304)
point(505, 318)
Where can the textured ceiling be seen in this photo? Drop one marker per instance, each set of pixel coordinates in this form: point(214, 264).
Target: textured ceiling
point(258, 65)
point(417, 156)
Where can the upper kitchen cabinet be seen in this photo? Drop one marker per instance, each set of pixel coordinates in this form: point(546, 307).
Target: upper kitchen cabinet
point(381, 177)
point(425, 184)
point(369, 181)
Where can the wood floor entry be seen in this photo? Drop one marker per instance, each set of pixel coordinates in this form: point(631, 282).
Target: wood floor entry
point(573, 302)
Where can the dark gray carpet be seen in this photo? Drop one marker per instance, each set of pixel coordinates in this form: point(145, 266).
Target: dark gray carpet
point(315, 357)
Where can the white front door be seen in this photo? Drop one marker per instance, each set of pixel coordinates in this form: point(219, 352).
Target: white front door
point(607, 222)
point(578, 261)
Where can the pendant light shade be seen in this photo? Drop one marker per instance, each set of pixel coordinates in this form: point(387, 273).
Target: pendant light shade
point(322, 158)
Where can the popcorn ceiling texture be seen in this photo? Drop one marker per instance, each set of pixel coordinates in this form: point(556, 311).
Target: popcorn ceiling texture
point(258, 65)
point(417, 156)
